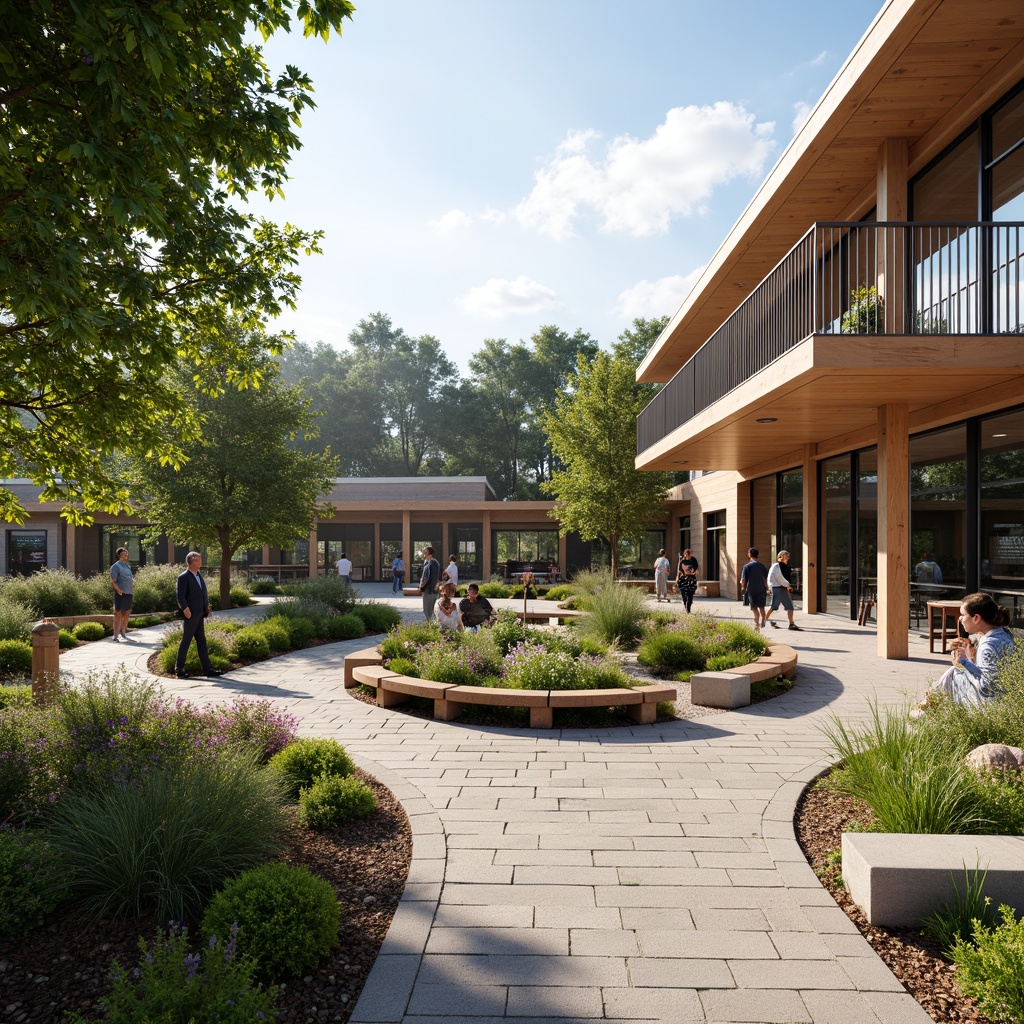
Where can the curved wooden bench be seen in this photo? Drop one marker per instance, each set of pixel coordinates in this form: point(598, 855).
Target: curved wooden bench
point(641, 702)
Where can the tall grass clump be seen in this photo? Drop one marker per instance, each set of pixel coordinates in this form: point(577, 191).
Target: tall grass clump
point(332, 591)
point(51, 592)
point(952, 921)
point(16, 618)
point(378, 618)
point(161, 847)
point(614, 614)
point(907, 776)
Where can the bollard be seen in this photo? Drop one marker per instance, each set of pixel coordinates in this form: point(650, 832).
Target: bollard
point(45, 661)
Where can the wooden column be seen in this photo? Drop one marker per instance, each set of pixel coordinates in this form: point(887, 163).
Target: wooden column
point(378, 569)
point(407, 555)
point(893, 531)
point(70, 549)
point(442, 555)
point(810, 530)
point(486, 553)
point(891, 205)
point(313, 556)
point(562, 549)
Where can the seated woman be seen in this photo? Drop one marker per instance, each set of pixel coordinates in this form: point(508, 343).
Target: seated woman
point(446, 611)
point(973, 677)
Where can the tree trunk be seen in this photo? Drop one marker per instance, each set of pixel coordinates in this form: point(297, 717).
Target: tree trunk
point(613, 543)
point(225, 570)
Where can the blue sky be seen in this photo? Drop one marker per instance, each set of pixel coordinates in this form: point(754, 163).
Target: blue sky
point(483, 168)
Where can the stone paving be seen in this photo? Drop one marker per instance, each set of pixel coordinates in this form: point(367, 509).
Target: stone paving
point(647, 873)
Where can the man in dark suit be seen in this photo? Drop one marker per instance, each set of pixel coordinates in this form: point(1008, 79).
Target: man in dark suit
point(194, 602)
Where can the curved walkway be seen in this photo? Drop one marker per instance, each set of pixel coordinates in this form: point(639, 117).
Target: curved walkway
point(632, 874)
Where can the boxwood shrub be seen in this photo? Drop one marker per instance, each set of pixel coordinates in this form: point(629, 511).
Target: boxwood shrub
point(306, 760)
point(15, 658)
point(89, 631)
point(331, 801)
point(378, 618)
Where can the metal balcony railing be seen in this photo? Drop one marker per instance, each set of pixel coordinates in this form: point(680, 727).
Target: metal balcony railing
point(854, 278)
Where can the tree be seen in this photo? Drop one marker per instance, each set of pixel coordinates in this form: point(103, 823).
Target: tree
point(133, 134)
point(592, 431)
point(242, 485)
point(635, 342)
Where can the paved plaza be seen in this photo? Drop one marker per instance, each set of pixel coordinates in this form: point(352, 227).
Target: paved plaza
point(647, 873)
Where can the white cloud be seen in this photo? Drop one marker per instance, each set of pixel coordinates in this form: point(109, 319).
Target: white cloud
point(641, 184)
point(801, 111)
point(656, 298)
point(500, 297)
point(493, 216)
point(451, 221)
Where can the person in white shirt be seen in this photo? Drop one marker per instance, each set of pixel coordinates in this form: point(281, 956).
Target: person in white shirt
point(782, 590)
point(344, 565)
point(451, 573)
point(661, 568)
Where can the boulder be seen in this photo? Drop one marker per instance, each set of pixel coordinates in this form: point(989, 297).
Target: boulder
point(996, 757)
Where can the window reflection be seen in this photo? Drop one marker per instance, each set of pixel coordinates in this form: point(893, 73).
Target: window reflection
point(1002, 511)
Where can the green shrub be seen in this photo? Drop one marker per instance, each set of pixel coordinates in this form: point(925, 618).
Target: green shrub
point(164, 844)
point(332, 591)
point(15, 697)
point(404, 667)
point(51, 592)
point(601, 674)
point(495, 590)
point(264, 585)
point(532, 668)
point(443, 662)
point(342, 627)
point(991, 968)
point(559, 592)
point(745, 640)
point(66, 640)
point(219, 646)
point(276, 632)
point(331, 801)
point(155, 588)
point(98, 593)
point(909, 778)
point(240, 597)
point(32, 881)
point(305, 760)
point(287, 918)
point(171, 985)
point(589, 581)
point(866, 314)
point(378, 618)
point(254, 724)
point(403, 641)
point(670, 651)
point(15, 658)
point(508, 631)
point(615, 614)
point(251, 644)
point(952, 921)
point(724, 662)
point(16, 619)
point(999, 799)
point(301, 631)
point(89, 631)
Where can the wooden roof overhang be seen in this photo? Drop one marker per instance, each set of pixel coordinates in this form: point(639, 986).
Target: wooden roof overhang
point(826, 392)
point(924, 70)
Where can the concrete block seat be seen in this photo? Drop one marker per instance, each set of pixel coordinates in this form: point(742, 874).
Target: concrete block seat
point(731, 689)
point(552, 617)
point(898, 879)
point(450, 700)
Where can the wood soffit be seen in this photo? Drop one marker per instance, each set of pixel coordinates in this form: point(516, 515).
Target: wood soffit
point(922, 72)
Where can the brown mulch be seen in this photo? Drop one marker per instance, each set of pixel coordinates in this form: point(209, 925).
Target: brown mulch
point(63, 965)
point(821, 818)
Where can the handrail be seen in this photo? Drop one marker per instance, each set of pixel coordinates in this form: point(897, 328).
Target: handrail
point(846, 277)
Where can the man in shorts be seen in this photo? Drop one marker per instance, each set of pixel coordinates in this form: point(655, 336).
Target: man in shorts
point(121, 580)
point(782, 590)
point(754, 583)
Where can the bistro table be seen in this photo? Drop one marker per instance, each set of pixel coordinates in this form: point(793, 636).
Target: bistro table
point(945, 612)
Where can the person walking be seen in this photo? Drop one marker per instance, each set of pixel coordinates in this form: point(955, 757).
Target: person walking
point(661, 568)
point(780, 581)
point(194, 604)
point(121, 579)
point(344, 567)
point(430, 576)
point(754, 583)
point(397, 573)
point(686, 578)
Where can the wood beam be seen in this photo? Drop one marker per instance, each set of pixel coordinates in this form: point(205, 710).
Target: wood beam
point(893, 530)
point(810, 530)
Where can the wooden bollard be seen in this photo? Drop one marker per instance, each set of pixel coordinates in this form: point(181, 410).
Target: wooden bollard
point(45, 662)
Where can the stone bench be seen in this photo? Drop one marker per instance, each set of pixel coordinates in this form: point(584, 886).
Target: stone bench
point(709, 588)
point(70, 621)
point(647, 585)
point(897, 879)
point(552, 617)
point(731, 689)
point(364, 667)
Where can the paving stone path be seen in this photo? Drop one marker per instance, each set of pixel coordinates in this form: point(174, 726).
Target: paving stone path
point(647, 873)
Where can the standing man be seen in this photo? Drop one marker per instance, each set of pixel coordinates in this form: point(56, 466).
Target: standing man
point(430, 576)
point(661, 568)
point(782, 589)
point(121, 579)
point(754, 583)
point(194, 603)
point(344, 565)
point(397, 573)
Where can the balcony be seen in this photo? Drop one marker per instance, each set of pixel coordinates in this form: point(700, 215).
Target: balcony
point(845, 282)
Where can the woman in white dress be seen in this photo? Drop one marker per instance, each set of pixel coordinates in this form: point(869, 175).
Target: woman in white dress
point(446, 611)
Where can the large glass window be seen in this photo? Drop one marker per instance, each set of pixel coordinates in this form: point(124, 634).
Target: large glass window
point(635, 558)
point(836, 529)
point(948, 191)
point(791, 524)
point(130, 537)
point(26, 551)
point(867, 523)
point(714, 545)
point(1002, 511)
point(519, 549)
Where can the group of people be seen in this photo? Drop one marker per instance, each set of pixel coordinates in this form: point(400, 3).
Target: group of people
point(439, 589)
point(757, 579)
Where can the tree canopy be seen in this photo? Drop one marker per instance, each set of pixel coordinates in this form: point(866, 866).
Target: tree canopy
point(592, 432)
point(242, 485)
point(133, 135)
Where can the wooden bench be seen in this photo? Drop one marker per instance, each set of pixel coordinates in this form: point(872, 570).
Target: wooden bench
point(647, 585)
point(641, 702)
point(709, 588)
point(552, 617)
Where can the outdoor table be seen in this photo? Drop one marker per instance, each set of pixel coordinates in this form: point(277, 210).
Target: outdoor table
point(944, 611)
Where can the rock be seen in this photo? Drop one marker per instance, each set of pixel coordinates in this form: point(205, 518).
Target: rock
point(369, 899)
point(996, 757)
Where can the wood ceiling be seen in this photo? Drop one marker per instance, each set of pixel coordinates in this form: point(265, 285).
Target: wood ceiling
point(923, 72)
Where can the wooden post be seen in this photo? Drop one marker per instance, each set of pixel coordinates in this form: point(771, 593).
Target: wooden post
point(314, 555)
point(891, 205)
point(485, 555)
point(893, 607)
point(45, 662)
point(810, 530)
point(407, 553)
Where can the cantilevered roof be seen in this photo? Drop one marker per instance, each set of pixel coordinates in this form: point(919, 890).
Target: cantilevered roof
point(922, 72)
